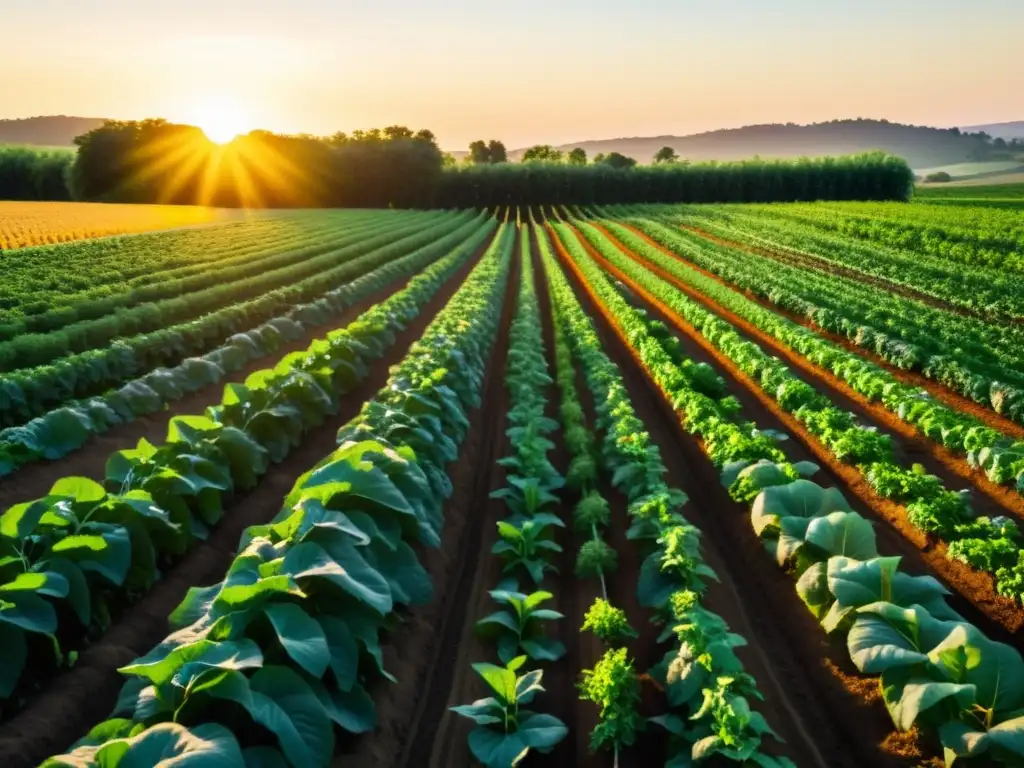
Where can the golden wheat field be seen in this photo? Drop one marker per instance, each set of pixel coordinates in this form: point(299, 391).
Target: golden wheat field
point(25, 224)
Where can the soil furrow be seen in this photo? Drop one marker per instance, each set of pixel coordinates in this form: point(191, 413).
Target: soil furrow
point(73, 702)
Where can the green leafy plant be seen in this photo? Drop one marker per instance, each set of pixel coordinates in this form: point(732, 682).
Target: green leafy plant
point(613, 685)
point(608, 623)
point(596, 558)
point(526, 545)
point(506, 732)
point(521, 625)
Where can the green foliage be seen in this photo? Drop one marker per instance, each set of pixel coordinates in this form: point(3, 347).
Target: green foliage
point(506, 731)
point(608, 623)
point(31, 173)
point(596, 558)
point(577, 156)
point(544, 153)
point(613, 685)
point(590, 511)
point(520, 627)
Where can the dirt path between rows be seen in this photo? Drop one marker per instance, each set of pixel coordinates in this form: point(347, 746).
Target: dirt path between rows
point(73, 702)
point(823, 723)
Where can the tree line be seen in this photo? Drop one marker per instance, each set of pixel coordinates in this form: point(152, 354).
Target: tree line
point(30, 173)
point(154, 161)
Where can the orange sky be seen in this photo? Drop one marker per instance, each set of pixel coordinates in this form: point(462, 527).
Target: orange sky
point(524, 71)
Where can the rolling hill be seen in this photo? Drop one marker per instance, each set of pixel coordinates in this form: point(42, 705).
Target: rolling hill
point(1014, 130)
point(922, 146)
point(49, 131)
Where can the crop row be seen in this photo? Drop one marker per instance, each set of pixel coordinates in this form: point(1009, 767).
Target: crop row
point(233, 286)
point(708, 693)
point(998, 454)
point(68, 427)
point(969, 357)
point(506, 729)
point(937, 671)
point(82, 550)
point(286, 645)
point(991, 292)
point(976, 236)
point(55, 306)
point(35, 391)
point(992, 545)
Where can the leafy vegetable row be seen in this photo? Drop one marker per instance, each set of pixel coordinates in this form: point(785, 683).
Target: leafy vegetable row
point(278, 656)
point(937, 671)
point(992, 545)
point(33, 349)
point(31, 392)
point(979, 360)
point(506, 730)
point(706, 686)
point(271, 247)
point(992, 292)
point(82, 550)
point(1000, 456)
point(68, 427)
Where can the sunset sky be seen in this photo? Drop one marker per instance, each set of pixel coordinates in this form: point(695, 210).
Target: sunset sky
point(525, 71)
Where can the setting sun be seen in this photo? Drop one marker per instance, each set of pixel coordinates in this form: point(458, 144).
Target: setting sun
point(220, 120)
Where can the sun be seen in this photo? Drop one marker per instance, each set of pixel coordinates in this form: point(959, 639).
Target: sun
point(220, 120)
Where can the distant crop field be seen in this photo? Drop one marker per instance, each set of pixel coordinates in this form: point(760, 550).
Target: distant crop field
point(24, 224)
point(966, 170)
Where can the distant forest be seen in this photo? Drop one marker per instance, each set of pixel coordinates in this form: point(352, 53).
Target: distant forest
point(50, 131)
point(153, 161)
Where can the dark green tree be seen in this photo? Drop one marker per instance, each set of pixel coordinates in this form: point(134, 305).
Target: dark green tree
point(542, 153)
point(666, 155)
point(615, 160)
point(577, 156)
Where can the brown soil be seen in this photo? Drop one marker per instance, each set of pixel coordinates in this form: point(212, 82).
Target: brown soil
point(822, 722)
point(429, 654)
point(939, 391)
point(977, 587)
point(34, 480)
point(76, 700)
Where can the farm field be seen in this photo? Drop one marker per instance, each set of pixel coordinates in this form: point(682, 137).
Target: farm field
point(24, 224)
point(670, 484)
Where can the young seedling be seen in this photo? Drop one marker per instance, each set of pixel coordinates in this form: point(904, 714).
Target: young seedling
point(506, 732)
point(526, 546)
point(521, 625)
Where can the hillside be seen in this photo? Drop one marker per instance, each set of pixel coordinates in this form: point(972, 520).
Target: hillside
point(1014, 130)
point(50, 131)
point(923, 147)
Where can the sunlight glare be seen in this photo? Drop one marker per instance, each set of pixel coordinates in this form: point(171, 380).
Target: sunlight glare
point(220, 120)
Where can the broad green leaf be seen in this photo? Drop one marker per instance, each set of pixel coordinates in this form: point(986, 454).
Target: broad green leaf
point(29, 612)
point(284, 704)
point(184, 661)
point(801, 498)
point(21, 520)
point(340, 563)
point(79, 488)
point(500, 679)
point(301, 637)
point(496, 749)
point(843, 533)
point(542, 732)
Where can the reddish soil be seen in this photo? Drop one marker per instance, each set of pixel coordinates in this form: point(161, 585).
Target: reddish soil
point(978, 588)
point(431, 653)
point(34, 480)
point(822, 722)
point(79, 698)
point(939, 391)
